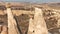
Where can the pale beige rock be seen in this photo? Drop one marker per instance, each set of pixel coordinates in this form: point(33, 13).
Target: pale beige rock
point(12, 26)
point(39, 22)
point(31, 26)
point(38, 25)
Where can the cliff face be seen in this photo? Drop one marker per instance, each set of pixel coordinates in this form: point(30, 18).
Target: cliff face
point(23, 14)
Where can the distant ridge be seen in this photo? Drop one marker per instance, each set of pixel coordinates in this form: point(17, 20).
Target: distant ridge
point(31, 1)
